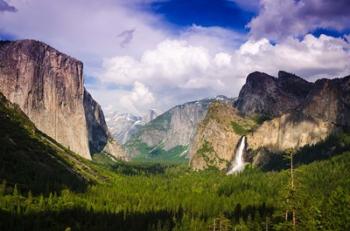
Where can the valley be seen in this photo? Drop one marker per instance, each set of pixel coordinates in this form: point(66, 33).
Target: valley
point(274, 158)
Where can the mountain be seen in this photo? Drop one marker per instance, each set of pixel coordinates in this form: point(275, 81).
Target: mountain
point(168, 136)
point(48, 86)
point(34, 161)
point(123, 125)
point(263, 94)
point(275, 114)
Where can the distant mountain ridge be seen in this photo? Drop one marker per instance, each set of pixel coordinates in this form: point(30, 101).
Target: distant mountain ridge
point(170, 134)
point(48, 87)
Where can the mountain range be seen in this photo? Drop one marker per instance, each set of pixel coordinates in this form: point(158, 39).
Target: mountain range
point(168, 136)
point(123, 125)
point(275, 114)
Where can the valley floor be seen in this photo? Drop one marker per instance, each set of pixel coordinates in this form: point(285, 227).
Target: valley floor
point(157, 197)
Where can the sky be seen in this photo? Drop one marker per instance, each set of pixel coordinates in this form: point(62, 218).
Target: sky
point(155, 54)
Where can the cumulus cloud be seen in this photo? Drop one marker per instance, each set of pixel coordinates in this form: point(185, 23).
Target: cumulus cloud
point(138, 100)
point(278, 19)
point(85, 29)
point(310, 57)
point(176, 71)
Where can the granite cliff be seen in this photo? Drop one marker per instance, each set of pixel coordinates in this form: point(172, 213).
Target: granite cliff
point(48, 86)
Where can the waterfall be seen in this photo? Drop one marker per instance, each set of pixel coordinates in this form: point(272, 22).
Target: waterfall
point(237, 164)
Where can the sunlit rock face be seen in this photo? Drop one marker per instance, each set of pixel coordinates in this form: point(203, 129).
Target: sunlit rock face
point(48, 87)
point(289, 131)
point(215, 142)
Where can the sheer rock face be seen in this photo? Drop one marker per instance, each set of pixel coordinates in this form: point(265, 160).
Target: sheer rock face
point(99, 137)
point(289, 131)
point(324, 110)
point(329, 100)
point(48, 87)
point(267, 95)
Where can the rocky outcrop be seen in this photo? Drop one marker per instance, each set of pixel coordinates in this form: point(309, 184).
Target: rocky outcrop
point(266, 95)
point(215, 141)
point(48, 87)
point(329, 101)
point(326, 109)
point(299, 112)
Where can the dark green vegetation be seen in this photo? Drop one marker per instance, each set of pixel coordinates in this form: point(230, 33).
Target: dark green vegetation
point(333, 145)
point(246, 125)
point(239, 129)
point(174, 198)
point(141, 152)
point(209, 155)
point(34, 161)
point(158, 197)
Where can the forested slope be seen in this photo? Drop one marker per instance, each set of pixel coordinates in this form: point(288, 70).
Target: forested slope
point(33, 161)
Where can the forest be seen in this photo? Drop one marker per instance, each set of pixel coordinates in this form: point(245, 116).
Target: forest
point(172, 197)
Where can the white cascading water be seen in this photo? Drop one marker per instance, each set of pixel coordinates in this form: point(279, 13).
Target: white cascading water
point(237, 164)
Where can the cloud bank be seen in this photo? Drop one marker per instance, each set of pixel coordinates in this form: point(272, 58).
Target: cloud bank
point(278, 19)
point(176, 68)
point(134, 60)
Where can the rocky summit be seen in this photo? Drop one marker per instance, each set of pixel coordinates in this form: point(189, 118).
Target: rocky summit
point(270, 96)
point(48, 86)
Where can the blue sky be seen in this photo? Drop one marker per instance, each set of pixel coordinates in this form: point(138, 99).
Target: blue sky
point(222, 13)
point(142, 54)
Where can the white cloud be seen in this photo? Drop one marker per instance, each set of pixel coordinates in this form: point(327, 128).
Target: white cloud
point(137, 101)
point(85, 29)
point(139, 64)
point(176, 71)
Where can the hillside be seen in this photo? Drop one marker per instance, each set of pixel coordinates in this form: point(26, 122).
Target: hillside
point(35, 162)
